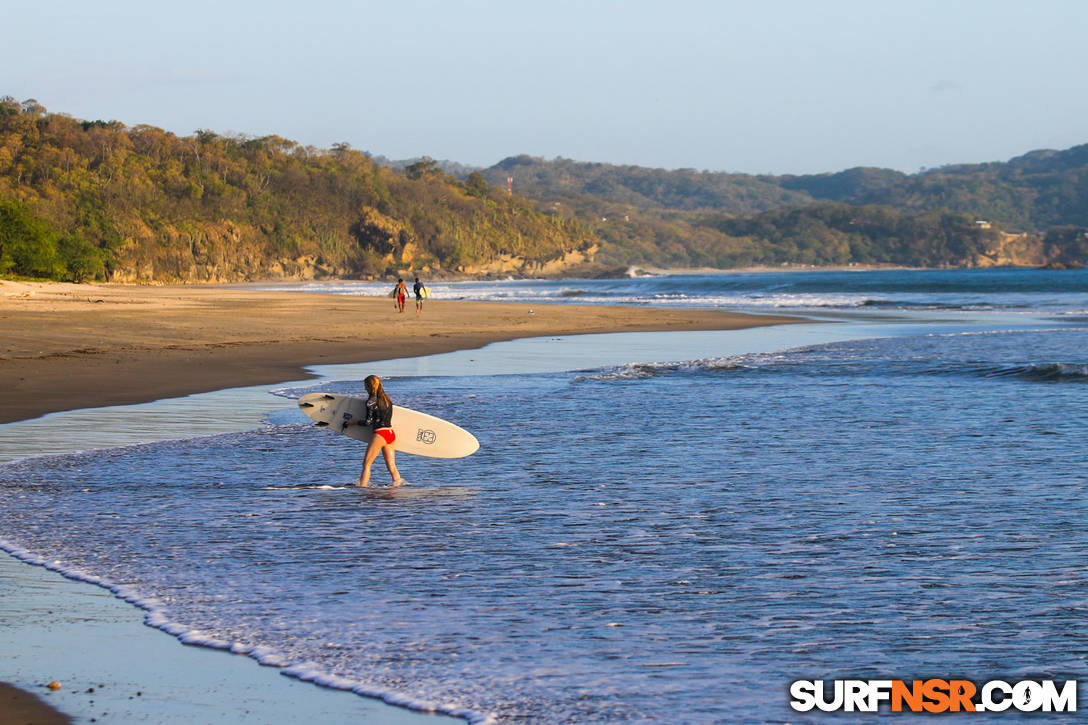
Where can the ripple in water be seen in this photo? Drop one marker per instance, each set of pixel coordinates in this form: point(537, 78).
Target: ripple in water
point(675, 544)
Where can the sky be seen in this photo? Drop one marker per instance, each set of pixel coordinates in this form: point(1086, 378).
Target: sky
point(759, 86)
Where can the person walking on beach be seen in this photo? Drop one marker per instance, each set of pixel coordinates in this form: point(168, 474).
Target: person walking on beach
point(418, 289)
point(379, 415)
point(400, 294)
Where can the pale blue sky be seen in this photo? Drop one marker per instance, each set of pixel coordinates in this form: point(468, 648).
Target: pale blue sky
point(764, 86)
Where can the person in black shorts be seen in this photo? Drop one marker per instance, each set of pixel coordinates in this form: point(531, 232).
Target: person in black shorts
point(418, 289)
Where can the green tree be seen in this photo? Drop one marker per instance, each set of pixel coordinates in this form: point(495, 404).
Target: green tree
point(425, 167)
point(82, 260)
point(28, 246)
point(476, 185)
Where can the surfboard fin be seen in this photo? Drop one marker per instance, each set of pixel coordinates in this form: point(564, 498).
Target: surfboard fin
point(328, 397)
point(305, 405)
point(321, 424)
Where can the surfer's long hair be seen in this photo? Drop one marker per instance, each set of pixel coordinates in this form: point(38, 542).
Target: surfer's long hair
point(375, 390)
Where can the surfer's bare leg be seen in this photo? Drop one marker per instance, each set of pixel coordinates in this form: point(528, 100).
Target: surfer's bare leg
point(376, 444)
point(391, 463)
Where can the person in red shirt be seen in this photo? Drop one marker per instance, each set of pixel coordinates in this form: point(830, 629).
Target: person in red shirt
point(400, 293)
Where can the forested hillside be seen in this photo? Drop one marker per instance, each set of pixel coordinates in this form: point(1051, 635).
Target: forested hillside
point(999, 213)
point(1031, 193)
point(827, 234)
point(100, 200)
point(684, 189)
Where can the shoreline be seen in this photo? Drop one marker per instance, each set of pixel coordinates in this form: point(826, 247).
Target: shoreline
point(19, 706)
point(69, 346)
point(62, 628)
point(46, 604)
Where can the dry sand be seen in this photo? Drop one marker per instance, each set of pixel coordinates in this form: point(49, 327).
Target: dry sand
point(67, 346)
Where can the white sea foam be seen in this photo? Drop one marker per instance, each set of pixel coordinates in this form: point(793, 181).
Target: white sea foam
point(156, 616)
point(522, 292)
point(922, 291)
point(642, 370)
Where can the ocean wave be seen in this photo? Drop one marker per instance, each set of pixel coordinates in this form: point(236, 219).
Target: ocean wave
point(1039, 372)
point(1006, 333)
point(975, 306)
point(643, 370)
point(919, 290)
point(1043, 372)
point(784, 300)
point(856, 359)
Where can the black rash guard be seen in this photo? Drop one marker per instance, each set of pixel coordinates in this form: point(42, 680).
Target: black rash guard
point(377, 416)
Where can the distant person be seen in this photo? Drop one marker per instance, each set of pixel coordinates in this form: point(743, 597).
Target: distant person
point(400, 294)
point(379, 416)
point(418, 289)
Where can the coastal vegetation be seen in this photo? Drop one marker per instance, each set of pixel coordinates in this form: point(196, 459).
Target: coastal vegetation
point(969, 215)
point(1030, 193)
point(83, 200)
point(100, 200)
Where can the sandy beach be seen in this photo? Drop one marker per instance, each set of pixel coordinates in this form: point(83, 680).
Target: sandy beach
point(67, 346)
point(19, 707)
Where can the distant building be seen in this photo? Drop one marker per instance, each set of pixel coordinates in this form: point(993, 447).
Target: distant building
point(982, 224)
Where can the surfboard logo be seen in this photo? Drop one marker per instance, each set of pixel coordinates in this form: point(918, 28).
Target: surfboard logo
point(426, 436)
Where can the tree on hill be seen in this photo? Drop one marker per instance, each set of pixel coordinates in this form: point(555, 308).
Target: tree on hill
point(109, 201)
point(1030, 193)
point(28, 246)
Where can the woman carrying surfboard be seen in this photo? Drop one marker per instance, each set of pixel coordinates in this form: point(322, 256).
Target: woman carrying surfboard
point(379, 415)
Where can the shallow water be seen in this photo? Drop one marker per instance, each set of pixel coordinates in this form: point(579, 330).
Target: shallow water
point(655, 541)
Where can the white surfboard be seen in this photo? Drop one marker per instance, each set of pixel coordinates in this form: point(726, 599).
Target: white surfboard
point(417, 433)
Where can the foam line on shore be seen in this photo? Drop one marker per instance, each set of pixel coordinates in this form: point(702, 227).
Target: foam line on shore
point(156, 617)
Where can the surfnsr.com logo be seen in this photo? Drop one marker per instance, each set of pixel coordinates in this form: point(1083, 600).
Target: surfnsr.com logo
point(933, 696)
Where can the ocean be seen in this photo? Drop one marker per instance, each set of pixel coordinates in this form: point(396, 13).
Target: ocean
point(671, 539)
point(1060, 291)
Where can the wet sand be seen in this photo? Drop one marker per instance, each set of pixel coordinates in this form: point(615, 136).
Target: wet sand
point(68, 346)
point(19, 707)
